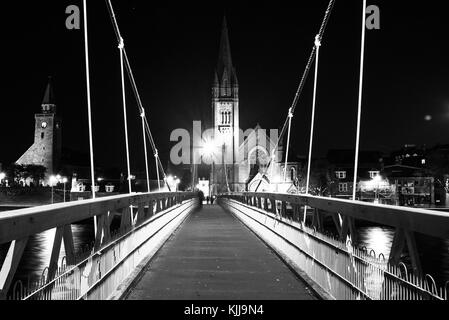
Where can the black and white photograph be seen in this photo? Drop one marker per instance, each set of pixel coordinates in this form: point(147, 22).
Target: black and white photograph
point(217, 157)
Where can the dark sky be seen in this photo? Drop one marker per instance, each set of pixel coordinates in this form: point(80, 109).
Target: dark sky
point(173, 49)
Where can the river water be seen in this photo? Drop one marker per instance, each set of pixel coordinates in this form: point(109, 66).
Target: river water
point(434, 252)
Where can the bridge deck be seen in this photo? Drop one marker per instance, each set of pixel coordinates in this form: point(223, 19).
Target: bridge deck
point(213, 256)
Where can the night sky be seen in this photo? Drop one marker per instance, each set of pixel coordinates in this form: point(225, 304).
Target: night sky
point(173, 49)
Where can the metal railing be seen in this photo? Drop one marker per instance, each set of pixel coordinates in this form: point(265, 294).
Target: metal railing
point(340, 268)
point(81, 274)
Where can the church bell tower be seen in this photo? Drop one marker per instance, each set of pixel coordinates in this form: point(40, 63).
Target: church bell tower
point(225, 111)
point(46, 149)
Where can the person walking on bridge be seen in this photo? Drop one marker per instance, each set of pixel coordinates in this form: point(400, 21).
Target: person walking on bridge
point(201, 198)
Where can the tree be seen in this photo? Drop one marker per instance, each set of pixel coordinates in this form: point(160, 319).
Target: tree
point(35, 172)
point(18, 172)
point(15, 173)
point(318, 184)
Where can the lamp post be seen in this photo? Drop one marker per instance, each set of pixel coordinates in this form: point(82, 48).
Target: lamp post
point(64, 181)
point(376, 181)
point(53, 180)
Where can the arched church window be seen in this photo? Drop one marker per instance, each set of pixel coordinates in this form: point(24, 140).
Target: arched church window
point(292, 173)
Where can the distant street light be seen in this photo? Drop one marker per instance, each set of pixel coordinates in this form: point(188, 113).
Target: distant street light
point(64, 181)
point(52, 181)
point(376, 181)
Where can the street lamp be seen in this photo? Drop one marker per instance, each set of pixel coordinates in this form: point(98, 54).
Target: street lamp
point(177, 182)
point(377, 180)
point(64, 181)
point(53, 180)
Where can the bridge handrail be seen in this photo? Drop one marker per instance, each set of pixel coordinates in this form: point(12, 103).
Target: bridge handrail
point(22, 223)
point(429, 222)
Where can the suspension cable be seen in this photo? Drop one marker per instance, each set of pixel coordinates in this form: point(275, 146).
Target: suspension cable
point(312, 125)
point(136, 92)
point(89, 108)
point(303, 80)
point(359, 113)
point(121, 47)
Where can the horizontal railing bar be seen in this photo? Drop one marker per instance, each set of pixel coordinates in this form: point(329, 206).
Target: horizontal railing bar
point(322, 264)
point(17, 224)
point(404, 284)
point(107, 247)
point(430, 222)
point(119, 263)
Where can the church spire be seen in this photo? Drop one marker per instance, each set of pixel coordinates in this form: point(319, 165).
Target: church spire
point(48, 102)
point(224, 58)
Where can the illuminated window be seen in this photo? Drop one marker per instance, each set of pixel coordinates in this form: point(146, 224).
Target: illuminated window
point(373, 174)
point(340, 174)
point(343, 187)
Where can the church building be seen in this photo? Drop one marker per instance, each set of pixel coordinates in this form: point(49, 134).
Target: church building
point(242, 161)
point(46, 149)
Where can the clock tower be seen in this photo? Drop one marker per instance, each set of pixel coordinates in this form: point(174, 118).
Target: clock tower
point(46, 149)
point(225, 113)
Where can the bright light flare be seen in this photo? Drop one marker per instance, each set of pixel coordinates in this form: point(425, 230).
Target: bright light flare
point(53, 180)
point(208, 148)
point(170, 179)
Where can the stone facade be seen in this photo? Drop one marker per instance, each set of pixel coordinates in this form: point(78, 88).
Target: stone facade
point(245, 157)
point(46, 149)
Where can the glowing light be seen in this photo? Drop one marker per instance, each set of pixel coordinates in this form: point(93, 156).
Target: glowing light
point(2, 176)
point(208, 148)
point(53, 180)
point(428, 118)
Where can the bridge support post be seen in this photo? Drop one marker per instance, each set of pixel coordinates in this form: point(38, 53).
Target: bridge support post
point(53, 266)
point(140, 213)
point(317, 220)
point(283, 212)
point(400, 240)
point(273, 206)
point(69, 247)
point(336, 219)
point(265, 204)
point(10, 265)
point(125, 222)
point(348, 227)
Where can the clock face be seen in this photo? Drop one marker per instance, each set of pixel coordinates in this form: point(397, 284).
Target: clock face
point(44, 125)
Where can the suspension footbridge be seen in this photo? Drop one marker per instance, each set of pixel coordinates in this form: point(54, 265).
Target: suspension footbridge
point(247, 245)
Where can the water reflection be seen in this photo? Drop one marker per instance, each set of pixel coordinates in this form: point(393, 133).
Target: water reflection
point(378, 239)
point(37, 253)
point(434, 252)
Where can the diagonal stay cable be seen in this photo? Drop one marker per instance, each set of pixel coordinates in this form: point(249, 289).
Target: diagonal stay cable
point(300, 89)
point(134, 87)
